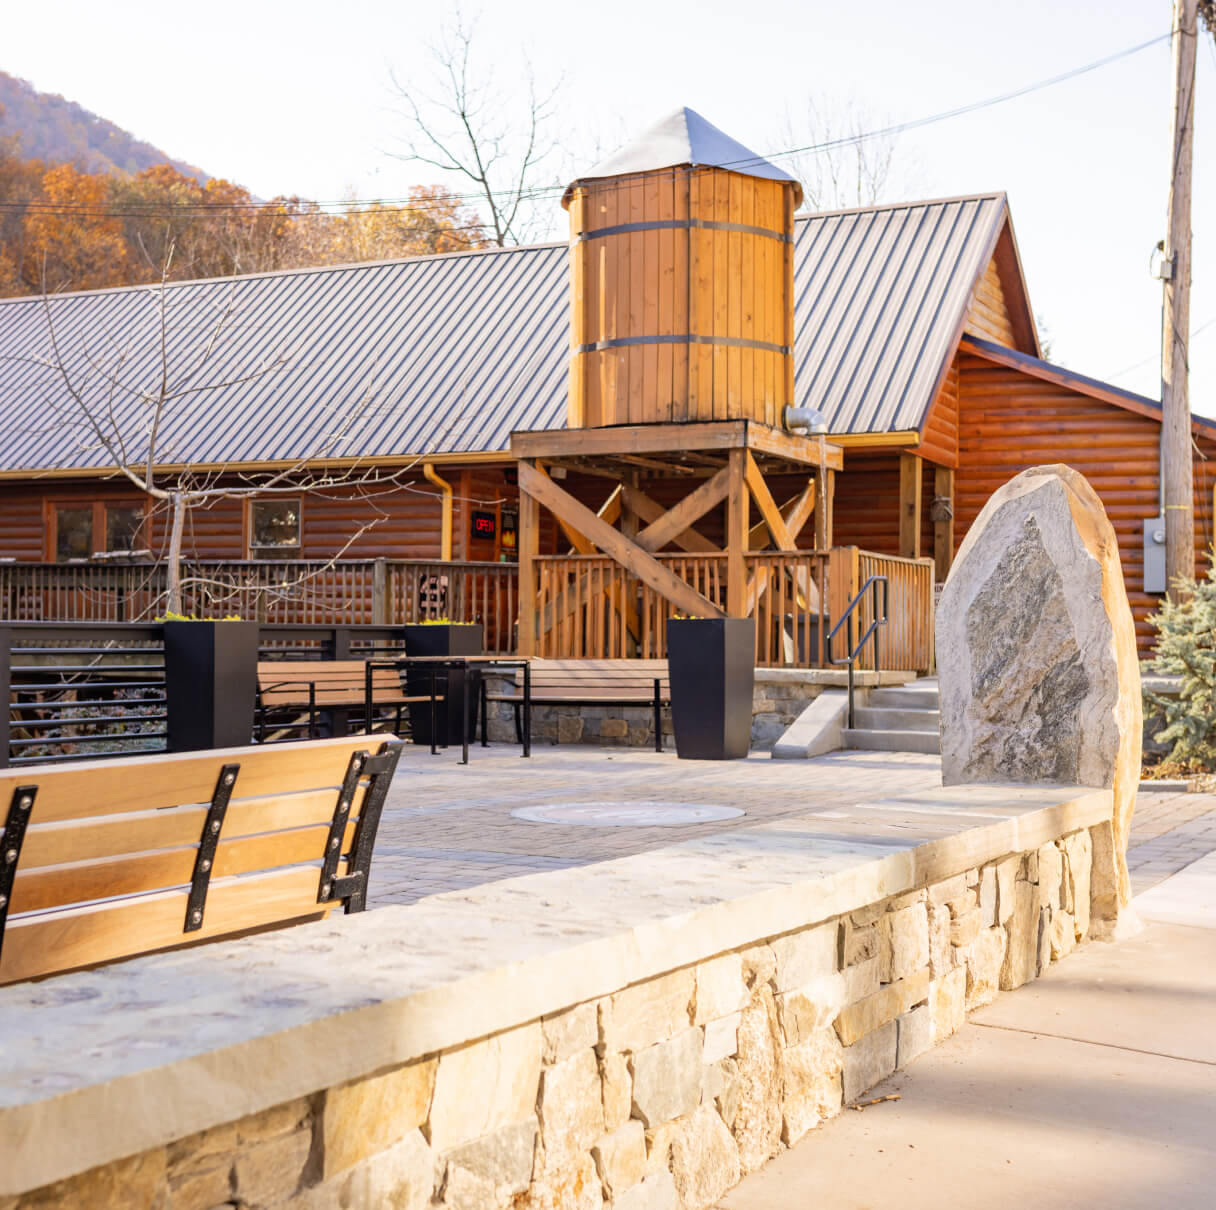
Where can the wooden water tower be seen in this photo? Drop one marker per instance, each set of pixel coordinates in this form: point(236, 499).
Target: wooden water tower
point(681, 370)
point(682, 279)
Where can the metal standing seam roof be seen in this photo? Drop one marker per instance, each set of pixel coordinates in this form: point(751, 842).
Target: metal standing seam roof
point(451, 353)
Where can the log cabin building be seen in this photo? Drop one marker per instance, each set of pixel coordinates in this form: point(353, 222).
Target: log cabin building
point(912, 333)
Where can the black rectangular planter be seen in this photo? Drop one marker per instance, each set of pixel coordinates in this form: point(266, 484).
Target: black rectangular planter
point(211, 682)
point(711, 663)
point(443, 638)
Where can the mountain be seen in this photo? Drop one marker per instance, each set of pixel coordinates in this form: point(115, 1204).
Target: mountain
point(59, 131)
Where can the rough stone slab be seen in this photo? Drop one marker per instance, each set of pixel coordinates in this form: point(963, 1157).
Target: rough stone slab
point(647, 1013)
point(617, 1090)
point(984, 958)
point(620, 1158)
point(401, 1177)
point(722, 1038)
point(501, 1161)
point(720, 1088)
point(504, 1068)
point(233, 1028)
point(1021, 962)
point(812, 1088)
point(869, 1061)
point(915, 1035)
point(367, 1116)
point(667, 1078)
point(806, 955)
point(988, 896)
point(704, 1160)
point(656, 1192)
point(1043, 683)
point(571, 1108)
point(568, 1032)
point(904, 942)
point(720, 988)
point(807, 1010)
point(948, 1003)
point(884, 1005)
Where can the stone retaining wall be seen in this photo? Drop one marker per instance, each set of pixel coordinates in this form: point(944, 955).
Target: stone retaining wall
point(660, 1095)
point(779, 697)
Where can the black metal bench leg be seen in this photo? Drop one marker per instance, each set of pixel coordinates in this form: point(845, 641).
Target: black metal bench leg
point(519, 727)
point(658, 718)
point(485, 740)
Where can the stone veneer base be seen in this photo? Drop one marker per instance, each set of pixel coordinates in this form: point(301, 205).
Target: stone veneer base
point(640, 1033)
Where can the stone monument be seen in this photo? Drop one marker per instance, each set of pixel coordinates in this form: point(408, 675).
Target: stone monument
point(1036, 651)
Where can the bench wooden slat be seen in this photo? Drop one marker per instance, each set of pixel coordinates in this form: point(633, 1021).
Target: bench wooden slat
point(143, 783)
point(110, 836)
point(333, 682)
point(56, 941)
point(587, 682)
point(130, 874)
point(112, 881)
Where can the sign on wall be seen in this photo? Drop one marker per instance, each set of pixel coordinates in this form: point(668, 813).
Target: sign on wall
point(485, 526)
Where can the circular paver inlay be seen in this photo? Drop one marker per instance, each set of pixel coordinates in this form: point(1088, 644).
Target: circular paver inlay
point(627, 814)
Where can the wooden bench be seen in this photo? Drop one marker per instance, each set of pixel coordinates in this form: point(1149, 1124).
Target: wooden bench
point(338, 687)
point(589, 683)
point(108, 859)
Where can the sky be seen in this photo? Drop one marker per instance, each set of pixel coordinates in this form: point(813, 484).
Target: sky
point(299, 100)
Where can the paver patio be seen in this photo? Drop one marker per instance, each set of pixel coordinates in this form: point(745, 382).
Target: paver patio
point(448, 826)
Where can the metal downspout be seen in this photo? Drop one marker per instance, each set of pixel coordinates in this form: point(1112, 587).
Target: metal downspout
point(445, 540)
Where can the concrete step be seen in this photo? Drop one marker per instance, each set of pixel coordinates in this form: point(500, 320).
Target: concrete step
point(910, 697)
point(893, 741)
point(872, 718)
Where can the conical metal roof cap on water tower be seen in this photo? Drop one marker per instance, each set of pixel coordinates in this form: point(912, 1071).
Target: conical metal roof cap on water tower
point(685, 137)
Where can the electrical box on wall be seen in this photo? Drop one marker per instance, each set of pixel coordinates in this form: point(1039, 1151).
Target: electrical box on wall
point(1154, 555)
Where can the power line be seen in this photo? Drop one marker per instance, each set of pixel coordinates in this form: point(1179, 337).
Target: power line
point(1207, 323)
point(400, 205)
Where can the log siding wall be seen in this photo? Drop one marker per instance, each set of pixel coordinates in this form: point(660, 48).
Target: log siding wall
point(1009, 421)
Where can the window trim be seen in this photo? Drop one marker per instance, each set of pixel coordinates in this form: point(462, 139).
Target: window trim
point(252, 552)
point(99, 507)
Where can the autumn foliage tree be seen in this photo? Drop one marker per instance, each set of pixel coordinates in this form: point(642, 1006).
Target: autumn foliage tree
point(71, 241)
point(64, 229)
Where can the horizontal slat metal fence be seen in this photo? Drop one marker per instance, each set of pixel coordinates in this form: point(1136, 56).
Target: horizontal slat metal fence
point(78, 692)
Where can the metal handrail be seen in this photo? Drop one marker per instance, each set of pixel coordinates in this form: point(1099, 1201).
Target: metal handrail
point(879, 620)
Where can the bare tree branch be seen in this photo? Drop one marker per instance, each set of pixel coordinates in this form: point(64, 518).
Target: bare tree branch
point(502, 144)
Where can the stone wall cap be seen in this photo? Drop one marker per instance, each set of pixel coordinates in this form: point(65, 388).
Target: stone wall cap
point(111, 1062)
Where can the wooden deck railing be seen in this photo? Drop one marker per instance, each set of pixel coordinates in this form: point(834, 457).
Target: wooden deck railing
point(350, 592)
point(588, 605)
point(907, 638)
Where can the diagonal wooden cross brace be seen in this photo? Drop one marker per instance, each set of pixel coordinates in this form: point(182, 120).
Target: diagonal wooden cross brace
point(633, 557)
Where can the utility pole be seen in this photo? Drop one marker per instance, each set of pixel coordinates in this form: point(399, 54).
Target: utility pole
point(1176, 464)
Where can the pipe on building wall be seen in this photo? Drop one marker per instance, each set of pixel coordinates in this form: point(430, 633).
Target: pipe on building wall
point(445, 540)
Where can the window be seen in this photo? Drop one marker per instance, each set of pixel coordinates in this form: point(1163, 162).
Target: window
point(123, 523)
point(83, 530)
point(73, 533)
point(274, 529)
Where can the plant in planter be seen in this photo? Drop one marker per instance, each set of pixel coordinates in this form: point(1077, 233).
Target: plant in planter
point(711, 664)
point(211, 681)
point(438, 636)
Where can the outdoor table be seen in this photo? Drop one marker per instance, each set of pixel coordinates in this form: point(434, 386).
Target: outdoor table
point(463, 664)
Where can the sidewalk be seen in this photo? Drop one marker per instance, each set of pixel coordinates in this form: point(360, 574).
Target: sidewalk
point(1093, 1086)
